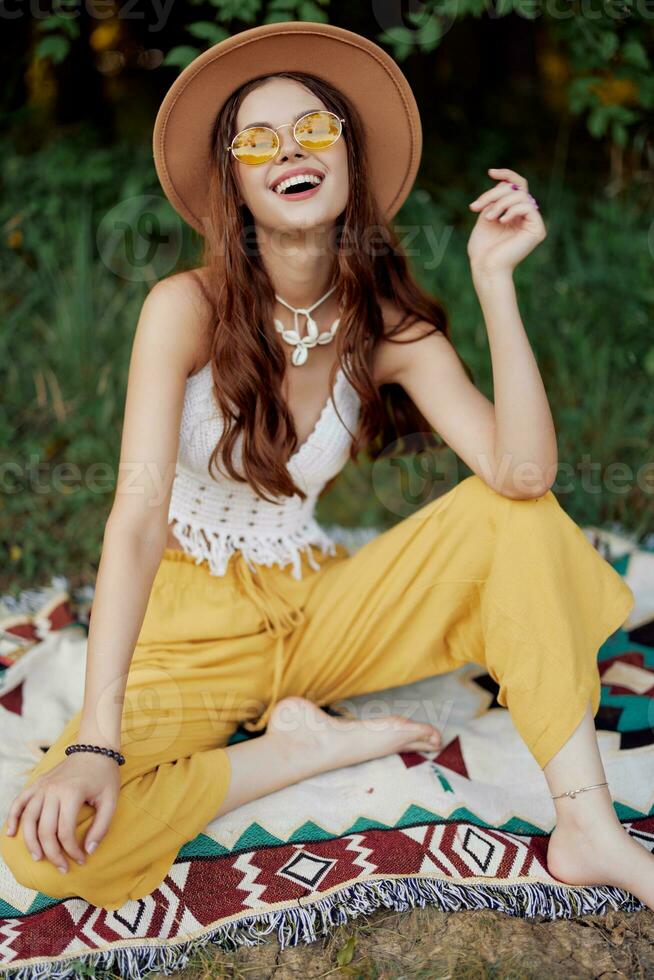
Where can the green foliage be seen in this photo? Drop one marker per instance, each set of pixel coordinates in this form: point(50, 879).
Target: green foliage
point(181, 56)
point(249, 12)
point(425, 35)
point(53, 46)
point(606, 53)
point(610, 57)
point(65, 344)
point(56, 34)
point(207, 31)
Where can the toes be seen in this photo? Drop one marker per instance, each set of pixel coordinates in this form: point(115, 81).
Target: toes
point(430, 740)
point(426, 738)
point(422, 746)
point(424, 732)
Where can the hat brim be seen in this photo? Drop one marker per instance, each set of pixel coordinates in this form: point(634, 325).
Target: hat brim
point(360, 69)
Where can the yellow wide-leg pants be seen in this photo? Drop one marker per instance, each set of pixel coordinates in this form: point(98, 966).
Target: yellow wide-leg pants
point(472, 576)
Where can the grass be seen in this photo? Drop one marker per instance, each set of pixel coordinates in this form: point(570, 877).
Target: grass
point(427, 944)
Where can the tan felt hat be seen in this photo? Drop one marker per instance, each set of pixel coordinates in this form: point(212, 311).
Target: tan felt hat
point(358, 67)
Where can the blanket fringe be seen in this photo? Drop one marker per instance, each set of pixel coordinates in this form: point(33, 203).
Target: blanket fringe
point(307, 923)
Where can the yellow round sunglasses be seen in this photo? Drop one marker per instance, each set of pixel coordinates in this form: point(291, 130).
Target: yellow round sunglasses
point(315, 130)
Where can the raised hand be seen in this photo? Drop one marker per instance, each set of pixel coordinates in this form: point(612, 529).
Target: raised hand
point(509, 224)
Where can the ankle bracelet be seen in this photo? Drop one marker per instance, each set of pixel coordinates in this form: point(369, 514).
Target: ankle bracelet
point(573, 792)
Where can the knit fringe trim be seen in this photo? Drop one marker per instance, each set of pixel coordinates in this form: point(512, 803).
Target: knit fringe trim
point(217, 547)
point(307, 923)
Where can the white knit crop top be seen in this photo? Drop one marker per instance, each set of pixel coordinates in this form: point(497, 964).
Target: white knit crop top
point(214, 516)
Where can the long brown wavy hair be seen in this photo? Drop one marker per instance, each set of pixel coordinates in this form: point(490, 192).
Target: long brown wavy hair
point(248, 362)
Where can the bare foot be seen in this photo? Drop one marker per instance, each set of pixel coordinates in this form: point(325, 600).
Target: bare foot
point(602, 855)
point(302, 730)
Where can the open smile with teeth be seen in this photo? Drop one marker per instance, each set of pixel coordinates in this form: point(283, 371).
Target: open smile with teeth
point(298, 184)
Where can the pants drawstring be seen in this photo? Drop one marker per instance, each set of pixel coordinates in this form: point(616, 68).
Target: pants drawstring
point(281, 617)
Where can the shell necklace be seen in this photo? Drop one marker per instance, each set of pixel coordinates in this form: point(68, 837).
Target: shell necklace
point(313, 335)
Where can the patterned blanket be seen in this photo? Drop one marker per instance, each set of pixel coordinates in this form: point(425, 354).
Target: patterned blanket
point(464, 827)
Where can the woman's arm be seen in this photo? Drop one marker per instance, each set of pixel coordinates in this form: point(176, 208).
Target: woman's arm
point(524, 448)
point(164, 353)
point(510, 444)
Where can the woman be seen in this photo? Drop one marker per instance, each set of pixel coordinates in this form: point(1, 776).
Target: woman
point(234, 606)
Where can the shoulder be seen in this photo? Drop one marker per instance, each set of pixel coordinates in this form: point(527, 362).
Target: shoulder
point(184, 291)
point(175, 312)
point(392, 356)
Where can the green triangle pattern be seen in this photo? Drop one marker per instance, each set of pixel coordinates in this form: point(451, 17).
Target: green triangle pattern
point(41, 902)
point(416, 814)
point(363, 823)
point(625, 812)
point(202, 846)
point(518, 826)
point(256, 836)
point(309, 831)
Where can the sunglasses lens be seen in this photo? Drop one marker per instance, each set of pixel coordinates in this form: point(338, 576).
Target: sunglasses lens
point(255, 145)
point(317, 130)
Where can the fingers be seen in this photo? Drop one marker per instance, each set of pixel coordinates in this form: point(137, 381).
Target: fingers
point(103, 814)
point(48, 822)
point(512, 176)
point(48, 815)
point(509, 181)
point(491, 195)
point(524, 208)
point(508, 199)
point(68, 811)
point(17, 807)
point(30, 819)
point(505, 200)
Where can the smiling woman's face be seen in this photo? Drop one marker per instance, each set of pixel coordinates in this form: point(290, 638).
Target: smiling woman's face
point(278, 101)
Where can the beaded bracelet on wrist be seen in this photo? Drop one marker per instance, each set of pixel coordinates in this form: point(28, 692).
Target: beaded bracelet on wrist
point(99, 749)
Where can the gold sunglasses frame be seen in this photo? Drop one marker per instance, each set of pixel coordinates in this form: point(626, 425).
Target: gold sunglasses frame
point(312, 112)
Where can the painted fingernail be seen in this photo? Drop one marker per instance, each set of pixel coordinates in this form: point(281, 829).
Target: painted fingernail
point(91, 847)
point(80, 860)
point(515, 187)
point(35, 855)
point(62, 869)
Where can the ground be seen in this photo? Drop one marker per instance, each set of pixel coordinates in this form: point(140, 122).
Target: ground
point(426, 944)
